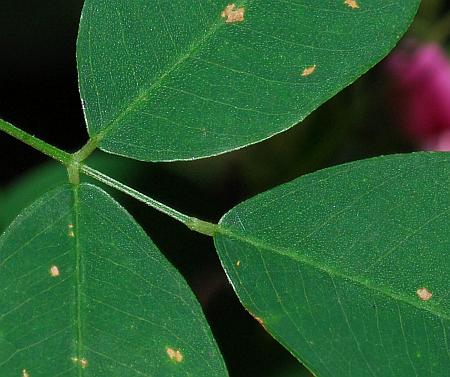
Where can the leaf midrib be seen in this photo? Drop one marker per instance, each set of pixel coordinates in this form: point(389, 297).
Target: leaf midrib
point(144, 95)
point(259, 244)
point(78, 280)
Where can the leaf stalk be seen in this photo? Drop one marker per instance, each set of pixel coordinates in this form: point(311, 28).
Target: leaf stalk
point(86, 150)
point(36, 143)
point(192, 223)
point(74, 165)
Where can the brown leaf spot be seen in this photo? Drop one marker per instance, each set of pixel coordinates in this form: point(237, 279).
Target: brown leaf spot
point(71, 232)
point(352, 4)
point(424, 294)
point(309, 70)
point(238, 263)
point(260, 321)
point(54, 271)
point(174, 355)
point(233, 14)
point(25, 373)
point(81, 362)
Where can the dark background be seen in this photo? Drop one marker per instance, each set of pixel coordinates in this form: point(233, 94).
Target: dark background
point(39, 93)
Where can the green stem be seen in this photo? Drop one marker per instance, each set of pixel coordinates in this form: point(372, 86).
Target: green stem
point(192, 223)
point(38, 144)
point(86, 150)
point(74, 166)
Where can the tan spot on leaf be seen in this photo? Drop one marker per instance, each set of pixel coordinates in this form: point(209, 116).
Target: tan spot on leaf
point(309, 70)
point(174, 355)
point(25, 373)
point(71, 232)
point(424, 294)
point(238, 263)
point(81, 362)
point(260, 321)
point(54, 271)
point(352, 4)
point(233, 14)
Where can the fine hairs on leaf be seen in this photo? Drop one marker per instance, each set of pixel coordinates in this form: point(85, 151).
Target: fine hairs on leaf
point(346, 267)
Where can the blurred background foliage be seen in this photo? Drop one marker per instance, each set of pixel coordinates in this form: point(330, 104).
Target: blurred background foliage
point(39, 93)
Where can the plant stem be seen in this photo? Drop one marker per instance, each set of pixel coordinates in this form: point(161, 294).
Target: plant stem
point(38, 144)
point(74, 166)
point(86, 150)
point(192, 223)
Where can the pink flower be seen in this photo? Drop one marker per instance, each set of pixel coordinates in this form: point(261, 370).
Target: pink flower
point(420, 78)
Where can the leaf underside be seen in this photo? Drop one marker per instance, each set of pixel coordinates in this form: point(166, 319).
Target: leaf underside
point(349, 267)
point(170, 80)
point(86, 293)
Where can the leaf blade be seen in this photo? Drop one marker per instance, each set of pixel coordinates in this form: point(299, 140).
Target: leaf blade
point(97, 298)
point(166, 82)
point(333, 263)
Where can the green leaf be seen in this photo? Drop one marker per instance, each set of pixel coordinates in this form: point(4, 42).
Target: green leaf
point(84, 292)
point(340, 266)
point(170, 80)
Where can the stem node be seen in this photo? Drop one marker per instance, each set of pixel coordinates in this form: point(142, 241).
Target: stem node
point(202, 227)
point(73, 170)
